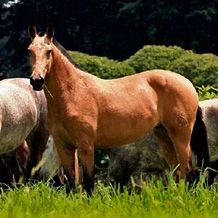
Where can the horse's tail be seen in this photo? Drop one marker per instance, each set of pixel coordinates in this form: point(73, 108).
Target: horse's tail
point(199, 144)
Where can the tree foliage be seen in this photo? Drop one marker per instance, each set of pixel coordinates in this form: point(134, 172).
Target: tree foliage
point(116, 29)
point(155, 57)
point(200, 69)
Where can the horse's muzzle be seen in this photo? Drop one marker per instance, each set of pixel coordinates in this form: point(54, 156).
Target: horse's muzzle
point(37, 83)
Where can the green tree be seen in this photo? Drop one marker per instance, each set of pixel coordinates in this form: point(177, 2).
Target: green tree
point(116, 29)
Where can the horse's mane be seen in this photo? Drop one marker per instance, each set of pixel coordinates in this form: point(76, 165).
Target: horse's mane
point(65, 53)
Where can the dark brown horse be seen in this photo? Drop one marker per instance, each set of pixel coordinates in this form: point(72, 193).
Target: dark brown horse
point(86, 112)
point(23, 129)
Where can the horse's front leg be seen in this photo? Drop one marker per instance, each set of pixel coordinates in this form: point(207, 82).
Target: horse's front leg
point(69, 161)
point(87, 159)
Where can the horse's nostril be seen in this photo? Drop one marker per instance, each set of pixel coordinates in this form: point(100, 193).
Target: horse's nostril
point(37, 83)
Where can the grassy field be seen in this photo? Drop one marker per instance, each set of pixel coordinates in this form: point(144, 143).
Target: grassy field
point(155, 200)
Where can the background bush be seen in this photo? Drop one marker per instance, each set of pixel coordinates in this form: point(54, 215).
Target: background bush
point(155, 57)
point(201, 69)
point(207, 92)
point(101, 66)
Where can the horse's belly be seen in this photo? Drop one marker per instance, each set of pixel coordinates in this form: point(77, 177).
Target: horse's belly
point(117, 133)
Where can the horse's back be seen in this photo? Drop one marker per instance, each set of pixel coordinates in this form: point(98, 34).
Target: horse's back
point(152, 83)
point(17, 97)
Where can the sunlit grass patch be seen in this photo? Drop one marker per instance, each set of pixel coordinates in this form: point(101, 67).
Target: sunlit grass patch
point(154, 200)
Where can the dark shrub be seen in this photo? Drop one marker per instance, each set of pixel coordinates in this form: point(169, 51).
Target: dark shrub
point(200, 69)
point(101, 66)
point(155, 57)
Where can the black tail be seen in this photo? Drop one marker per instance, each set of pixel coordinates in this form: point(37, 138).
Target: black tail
point(199, 144)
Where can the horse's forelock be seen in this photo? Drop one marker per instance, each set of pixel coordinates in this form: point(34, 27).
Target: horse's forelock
point(41, 34)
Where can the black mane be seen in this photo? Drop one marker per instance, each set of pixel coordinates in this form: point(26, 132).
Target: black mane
point(65, 53)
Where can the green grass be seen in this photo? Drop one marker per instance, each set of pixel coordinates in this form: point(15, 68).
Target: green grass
point(155, 200)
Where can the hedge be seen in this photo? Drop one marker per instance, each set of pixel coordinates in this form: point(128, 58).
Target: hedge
point(200, 69)
point(155, 57)
point(101, 66)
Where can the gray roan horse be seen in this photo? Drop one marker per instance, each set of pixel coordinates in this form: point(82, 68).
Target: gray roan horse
point(23, 130)
point(210, 117)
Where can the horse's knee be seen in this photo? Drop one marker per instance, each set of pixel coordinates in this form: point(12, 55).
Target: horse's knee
point(69, 161)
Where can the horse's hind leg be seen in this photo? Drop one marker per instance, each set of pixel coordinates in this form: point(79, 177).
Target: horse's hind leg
point(69, 161)
point(167, 145)
point(181, 141)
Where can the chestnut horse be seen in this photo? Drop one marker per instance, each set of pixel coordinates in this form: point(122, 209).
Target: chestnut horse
point(23, 129)
point(85, 111)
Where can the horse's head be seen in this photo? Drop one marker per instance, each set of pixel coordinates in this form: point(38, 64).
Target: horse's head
point(40, 55)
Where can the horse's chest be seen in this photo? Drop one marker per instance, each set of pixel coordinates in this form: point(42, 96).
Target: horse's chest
point(72, 128)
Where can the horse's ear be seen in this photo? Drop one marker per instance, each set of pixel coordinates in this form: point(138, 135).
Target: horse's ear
point(32, 31)
point(50, 32)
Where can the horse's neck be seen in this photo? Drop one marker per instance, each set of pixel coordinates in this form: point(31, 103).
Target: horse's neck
point(63, 74)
